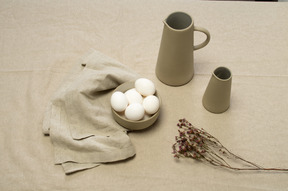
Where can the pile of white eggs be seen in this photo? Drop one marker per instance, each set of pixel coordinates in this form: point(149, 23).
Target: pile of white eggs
point(138, 101)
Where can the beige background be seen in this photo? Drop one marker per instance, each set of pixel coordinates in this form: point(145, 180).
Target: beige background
point(41, 43)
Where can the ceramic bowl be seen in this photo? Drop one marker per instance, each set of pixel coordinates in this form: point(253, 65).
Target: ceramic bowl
point(146, 122)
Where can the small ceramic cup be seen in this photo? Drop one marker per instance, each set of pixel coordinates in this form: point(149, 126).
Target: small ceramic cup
point(216, 98)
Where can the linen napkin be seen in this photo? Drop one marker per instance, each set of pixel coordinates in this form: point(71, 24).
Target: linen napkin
point(79, 120)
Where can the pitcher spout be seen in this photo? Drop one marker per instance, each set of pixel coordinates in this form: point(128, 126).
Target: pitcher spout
point(178, 21)
point(165, 22)
point(166, 25)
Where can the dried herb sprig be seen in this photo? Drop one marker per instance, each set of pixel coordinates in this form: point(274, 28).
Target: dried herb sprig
point(198, 144)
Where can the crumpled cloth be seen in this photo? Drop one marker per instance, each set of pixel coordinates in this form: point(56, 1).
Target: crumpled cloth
point(79, 120)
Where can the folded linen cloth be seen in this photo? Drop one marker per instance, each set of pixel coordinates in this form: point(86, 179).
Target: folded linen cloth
point(79, 120)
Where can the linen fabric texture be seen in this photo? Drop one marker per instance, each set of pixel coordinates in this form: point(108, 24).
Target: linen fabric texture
point(79, 120)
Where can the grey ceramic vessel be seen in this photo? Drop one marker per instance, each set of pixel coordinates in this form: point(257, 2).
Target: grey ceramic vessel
point(175, 64)
point(216, 98)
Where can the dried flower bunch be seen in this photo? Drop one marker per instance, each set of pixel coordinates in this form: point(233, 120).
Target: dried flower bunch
point(200, 145)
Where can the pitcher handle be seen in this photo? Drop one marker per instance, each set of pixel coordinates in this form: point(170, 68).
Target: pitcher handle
point(206, 32)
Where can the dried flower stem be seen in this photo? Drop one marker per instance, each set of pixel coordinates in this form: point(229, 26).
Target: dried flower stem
point(198, 144)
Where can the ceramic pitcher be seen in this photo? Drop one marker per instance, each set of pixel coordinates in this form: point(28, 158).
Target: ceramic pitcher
point(175, 64)
point(216, 98)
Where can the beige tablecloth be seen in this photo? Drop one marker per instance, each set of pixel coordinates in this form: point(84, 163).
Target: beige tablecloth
point(42, 42)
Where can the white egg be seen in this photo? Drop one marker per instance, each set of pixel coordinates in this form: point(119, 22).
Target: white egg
point(118, 101)
point(133, 96)
point(134, 112)
point(145, 86)
point(151, 104)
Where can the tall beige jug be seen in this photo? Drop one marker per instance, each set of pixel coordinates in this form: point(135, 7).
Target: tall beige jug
point(175, 64)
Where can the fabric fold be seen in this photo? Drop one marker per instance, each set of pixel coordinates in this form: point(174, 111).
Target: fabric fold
point(79, 119)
